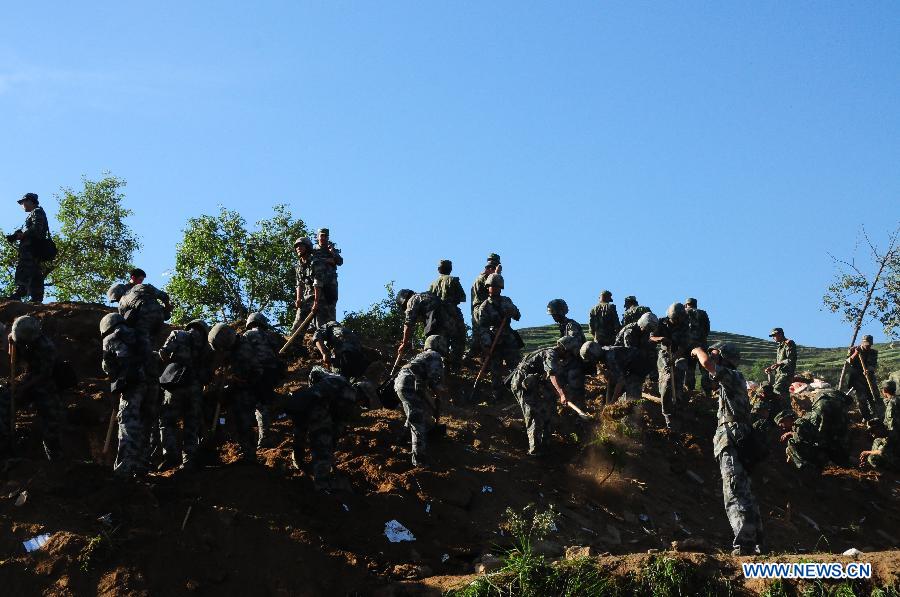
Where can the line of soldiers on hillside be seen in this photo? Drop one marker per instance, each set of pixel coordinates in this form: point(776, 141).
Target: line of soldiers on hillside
point(250, 368)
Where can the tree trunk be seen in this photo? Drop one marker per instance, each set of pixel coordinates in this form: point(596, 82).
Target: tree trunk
point(862, 313)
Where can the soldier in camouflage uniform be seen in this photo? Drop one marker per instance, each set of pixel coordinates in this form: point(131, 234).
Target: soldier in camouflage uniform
point(189, 352)
point(640, 357)
point(633, 310)
point(342, 351)
point(604, 320)
point(313, 276)
point(450, 291)
point(672, 337)
point(423, 374)
point(863, 362)
point(123, 362)
point(885, 452)
point(479, 294)
point(498, 310)
point(733, 427)
point(266, 345)
point(768, 407)
point(424, 307)
point(698, 322)
point(785, 364)
point(29, 276)
point(37, 354)
point(145, 309)
point(819, 435)
point(6, 442)
point(538, 380)
point(320, 413)
point(245, 375)
point(330, 257)
point(558, 309)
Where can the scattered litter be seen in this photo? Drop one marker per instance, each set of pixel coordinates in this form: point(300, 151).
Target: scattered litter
point(810, 521)
point(694, 476)
point(281, 416)
point(106, 519)
point(852, 552)
point(487, 489)
point(427, 508)
point(752, 385)
point(396, 532)
point(685, 531)
point(553, 527)
point(345, 507)
point(23, 497)
point(541, 494)
point(445, 557)
point(591, 531)
point(36, 543)
point(186, 516)
point(819, 384)
point(221, 420)
point(676, 516)
point(644, 518)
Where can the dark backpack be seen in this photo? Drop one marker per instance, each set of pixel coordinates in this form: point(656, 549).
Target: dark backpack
point(45, 249)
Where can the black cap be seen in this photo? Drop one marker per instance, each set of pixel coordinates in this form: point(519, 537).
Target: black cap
point(493, 259)
point(776, 331)
point(28, 197)
point(867, 339)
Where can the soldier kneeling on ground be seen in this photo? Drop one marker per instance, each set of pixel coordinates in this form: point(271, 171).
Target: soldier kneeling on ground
point(320, 413)
point(819, 435)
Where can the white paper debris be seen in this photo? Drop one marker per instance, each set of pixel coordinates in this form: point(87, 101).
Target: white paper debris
point(487, 489)
point(445, 557)
point(852, 552)
point(396, 532)
point(346, 507)
point(106, 519)
point(23, 497)
point(221, 420)
point(36, 543)
point(553, 527)
point(427, 508)
point(643, 518)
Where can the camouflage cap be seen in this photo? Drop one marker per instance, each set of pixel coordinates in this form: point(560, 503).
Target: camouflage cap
point(890, 386)
point(303, 241)
point(631, 300)
point(494, 280)
point(867, 339)
point(493, 259)
point(785, 414)
point(322, 231)
point(776, 331)
point(605, 294)
point(445, 263)
point(690, 302)
point(28, 197)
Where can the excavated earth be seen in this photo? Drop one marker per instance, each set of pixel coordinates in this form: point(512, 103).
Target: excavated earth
point(264, 530)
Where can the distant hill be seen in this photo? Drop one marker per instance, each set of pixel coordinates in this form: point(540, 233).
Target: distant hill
point(757, 352)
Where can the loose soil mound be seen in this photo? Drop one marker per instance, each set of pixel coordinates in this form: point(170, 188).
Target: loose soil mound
point(621, 486)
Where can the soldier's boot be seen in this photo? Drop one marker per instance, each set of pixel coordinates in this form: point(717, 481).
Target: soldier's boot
point(266, 439)
point(420, 460)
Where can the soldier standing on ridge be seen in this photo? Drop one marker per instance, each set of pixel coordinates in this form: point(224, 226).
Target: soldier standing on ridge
point(29, 276)
point(633, 310)
point(698, 322)
point(604, 320)
point(330, 257)
point(863, 361)
point(497, 311)
point(450, 291)
point(785, 364)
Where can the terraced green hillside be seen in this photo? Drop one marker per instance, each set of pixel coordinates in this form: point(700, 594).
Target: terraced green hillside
point(757, 353)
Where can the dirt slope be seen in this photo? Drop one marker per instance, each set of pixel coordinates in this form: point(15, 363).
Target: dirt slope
point(265, 530)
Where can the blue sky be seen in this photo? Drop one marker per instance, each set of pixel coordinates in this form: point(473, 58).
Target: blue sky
point(657, 149)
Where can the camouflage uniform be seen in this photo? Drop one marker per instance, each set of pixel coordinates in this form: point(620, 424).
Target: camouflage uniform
point(191, 351)
point(311, 274)
point(265, 346)
point(768, 406)
point(29, 276)
point(123, 362)
point(668, 357)
point(820, 435)
point(889, 445)
point(477, 295)
point(245, 376)
point(870, 407)
point(698, 322)
point(320, 413)
point(576, 371)
point(536, 396)
point(143, 312)
point(633, 313)
point(425, 371)
point(507, 354)
point(786, 359)
point(638, 362)
point(450, 291)
point(344, 348)
point(38, 385)
point(328, 291)
point(604, 323)
point(732, 428)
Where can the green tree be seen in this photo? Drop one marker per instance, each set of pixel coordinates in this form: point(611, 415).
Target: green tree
point(223, 271)
point(382, 321)
point(95, 244)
